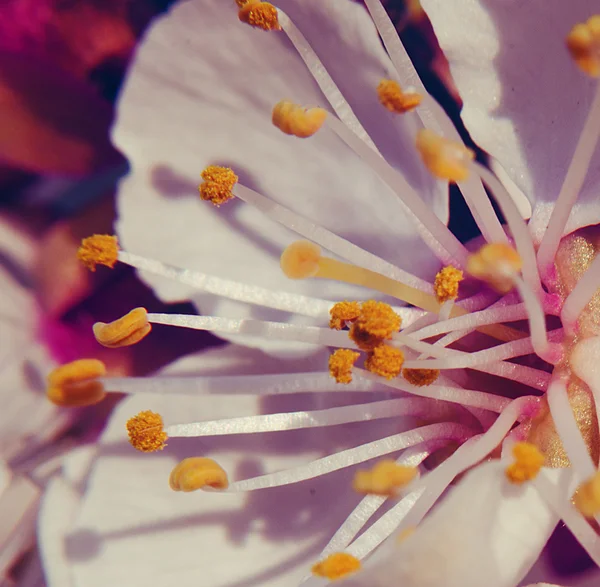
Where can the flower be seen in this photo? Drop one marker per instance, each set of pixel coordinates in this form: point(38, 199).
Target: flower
point(527, 315)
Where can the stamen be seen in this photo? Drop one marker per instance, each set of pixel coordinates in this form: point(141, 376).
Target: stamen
point(580, 296)
point(336, 566)
point(583, 41)
point(218, 184)
point(296, 120)
point(341, 363)
point(197, 473)
point(385, 478)
point(125, 331)
point(385, 360)
point(435, 234)
point(343, 312)
point(99, 249)
point(574, 178)
point(406, 406)
point(446, 283)
point(394, 99)
point(497, 264)
point(76, 384)
point(528, 462)
point(146, 432)
point(516, 224)
point(325, 82)
point(259, 14)
point(444, 158)
point(587, 496)
point(420, 377)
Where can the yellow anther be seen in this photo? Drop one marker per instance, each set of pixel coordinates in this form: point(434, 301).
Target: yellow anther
point(197, 473)
point(240, 3)
point(217, 185)
point(405, 534)
point(125, 331)
point(583, 43)
point(75, 384)
point(300, 260)
point(99, 249)
point(394, 99)
point(420, 377)
point(446, 283)
point(587, 497)
point(146, 432)
point(343, 312)
point(296, 120)
point(528, 462)
point(385, 478)
point(386, 361)
point(258, 14)
point(376, 322)
point(341, 362)
point(444, 158)
point(336, 566)
point(497, 264)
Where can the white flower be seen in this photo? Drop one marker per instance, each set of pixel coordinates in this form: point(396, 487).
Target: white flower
point(182, 112)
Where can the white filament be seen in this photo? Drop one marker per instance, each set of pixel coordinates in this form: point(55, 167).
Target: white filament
point(580, 296)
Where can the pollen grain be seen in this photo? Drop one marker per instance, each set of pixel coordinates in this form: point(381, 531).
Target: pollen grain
point(125, 331)
point(394, 99)
point(384, 479)
point(420, 377)
point(376, 322)
point(343, 312)
point(527, 464)
point(583, 42)
point(76, 384)
point(446, 284)
point(98, 249)
point(196, 473)
point(296, 120)
point(146, 432)
point(341, 362)
point(336, 566)
point(261, 15)
point(385, 361)
point(218, 184)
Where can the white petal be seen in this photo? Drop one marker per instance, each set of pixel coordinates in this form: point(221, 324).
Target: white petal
point(201, 91)
point(525, 101)
point(487, 531)
point(133, 530)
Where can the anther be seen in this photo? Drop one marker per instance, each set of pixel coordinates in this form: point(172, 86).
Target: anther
point(296, 120)
point(99, 249)
point(300, 260)
point(446, 283)
point(587, 497)
point(376, 322)
point(420, 377)
point(583, 43)
point(342, 313)
point(341, 362)
point(336, 566)
point(217, 185)
point(75, 384)
point(125, 331)
point(146, 432)
point(497, 264)
point(198, 473)
point(385, 478)
point(385, 361)
point(444, 158)
point(261, 15)
point(528, 462)
point(394, 99)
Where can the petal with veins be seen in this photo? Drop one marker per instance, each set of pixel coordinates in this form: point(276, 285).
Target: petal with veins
point(204, 96)
point(525, 101)
point(484, 508)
